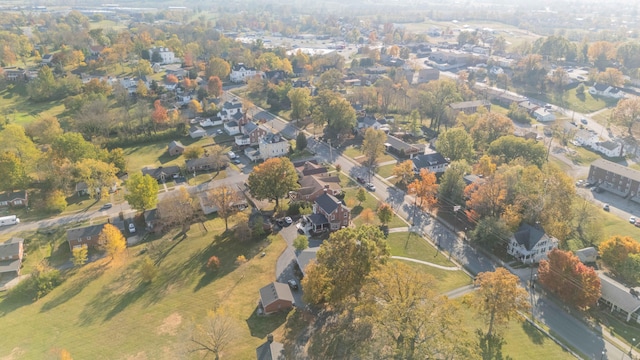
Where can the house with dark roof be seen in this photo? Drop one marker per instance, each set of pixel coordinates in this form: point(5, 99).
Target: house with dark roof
point(608, 148)
point(606, 91)
point(305, 257)
point(273, 145)
point(11, 253)
point(370, 122)
point(208, 207)
point(175, 148)
point(14, 74)
point(88, 235)
point(232, 127)
point(161, 173)
point(309, 168)
point(205, 163)
point(434, 162)
point(329, 214)
point(528, 106)
point(270, 350)
point(276, 297)
point(469, 107)
point(400, 148)
point(312, 186)
point(14, 199)
point(250, 134)
point(530, 244)
point(242, 73)
point(46, 59)
point(622, 300)
point(197, 132)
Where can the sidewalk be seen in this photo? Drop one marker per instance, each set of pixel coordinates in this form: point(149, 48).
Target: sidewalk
point(446, 268)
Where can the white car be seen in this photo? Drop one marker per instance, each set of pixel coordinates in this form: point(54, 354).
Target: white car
point(632, 219)
point(370, 187)
point(288, 220)
point(132, 228)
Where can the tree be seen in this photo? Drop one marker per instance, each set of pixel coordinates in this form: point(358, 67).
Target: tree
point(148, 269)
point(486, 199)
point(160, 114)
point(14, 139)
point(611, 76)
point(55, 201)
point(452, 184)
point(225, 200)
point(193, 152)
point(331, 108)
point(435, 98)
point(485, 166)
point(373, 146)
point(240, 260)
point(213, 264)
point(627, 114)
point(214, 335)
point(218, 67)
point(300, 99)
point(273, 179)
point(214, 86)
point(44, 129)
point(301, 141)
point(455, 144)
point(241, 228)
point(177, 208)
point(509, 148)
point(301, 242)
point(14, 172)
point(343, 263)
point(80, 255)
point(616, 250)
point(409, 319)
point(385, 214)
point(490, 127)
point(112, 241)
point(499, 298)
point(97, 174)
point(491, 232)
point(367, 216)
point(566, 276)
point(142, 192)
point(361, 195)
point(424, 189)
point(330, 79)
point(194, 105)
point(404, 172)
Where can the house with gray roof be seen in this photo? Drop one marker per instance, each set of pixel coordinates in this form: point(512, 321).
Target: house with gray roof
point(469, 107)
point(530, 244)
point(587, 255)
point(11, 253)
point(615, 178)
point(161, 173)
point(434, 162)
point(400, 148)
point(175, 148)
point(87, 235)
point(206, 163)
point(11, 199)
point(329, 214)
point(621, 300)
point(276, 297)
point(270, 350)
point(606, 91)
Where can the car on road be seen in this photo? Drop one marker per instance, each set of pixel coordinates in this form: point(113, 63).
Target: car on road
point(292, 284)
point(370, 187)
point(360, 180)
point(107, 206)
point(632, 219)
point(606, 207)
point(236, 161)
point(637, 223)
point(219, 131)
point(132, 228)
point(579, 182)
point(231, 155)
point(584, 121)
point(288, 220)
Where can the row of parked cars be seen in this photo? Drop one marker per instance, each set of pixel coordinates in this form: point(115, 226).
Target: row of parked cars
point(367, 185)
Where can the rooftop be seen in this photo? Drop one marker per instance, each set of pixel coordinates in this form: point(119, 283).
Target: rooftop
point(275, 291)
point(618, 294)
point(328, 203)
point(617, 169)
point(84, 232)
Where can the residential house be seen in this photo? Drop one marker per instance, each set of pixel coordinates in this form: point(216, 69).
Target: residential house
point(276, 297)
point(15, 74)
point(162, 173)
point(543, 115)
point(241, 73)
point(369, 121)
point(46, 59)
point(400, 148)
point(275, 76)
point(615, 178)
point(252, 153)
point(11, 253)
point(606, 91)
point(421, 76)
point(273, 145)
point(230, 109)
point(232, 127)
point(502, 97)
point(528, 106)
point(352, 82)
point(473, 179)
point(609, 148)
point(167, 56)
point(14, 199)
point(309, 168)
point(434, 162)
point(197, 132)
point(250, 134)
point(622, 301)
point(530, 244)
point(95, 50)
point(587, 255)
point(585, 138)
point(270, 350)
point(88, 235)
point(305, 257)
point(176, 148)
point(312, 186)
point(329, 214)
point(205, 163)
point(208, 207)
point(469, 107)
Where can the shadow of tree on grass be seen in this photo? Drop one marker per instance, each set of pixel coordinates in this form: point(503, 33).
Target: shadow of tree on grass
point(261, 325)
point(79, 283)
point(534, 334)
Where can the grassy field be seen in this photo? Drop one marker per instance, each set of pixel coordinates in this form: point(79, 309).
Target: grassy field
point(445, 280)
point(105, 311)
point(394, 223)
point(417, 248)
point(355, 153)
point(614, 225)
point(386, 170)
point(16, 107)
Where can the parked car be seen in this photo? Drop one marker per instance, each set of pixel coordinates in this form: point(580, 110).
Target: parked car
point(231, 155)
point(219, 131)
point(292, 284)
point(107, 206)
point(605, 207)
point(288, 220)
point(132, 228)
point(360, 180)
point(637, 223)
point(584, 121)
point(370, 187)
point(236, 161)
point(280, 222)
point(632, 219)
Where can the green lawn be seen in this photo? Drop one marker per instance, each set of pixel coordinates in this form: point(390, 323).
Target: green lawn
point(583, 156)
point(416, 247)
point(394, 223)
point(355, 153)
point(603, 117)
point(386, 170)
point(155, 154)
point(104, 311)
point(445, 280)
point(16, 107)
point(356, 208)
point(614, 225)
point(585, 104)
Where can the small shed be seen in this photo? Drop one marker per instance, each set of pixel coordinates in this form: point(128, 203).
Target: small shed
point(197, 132)
point(276, 297)
point(175, 148)
point(587, 255)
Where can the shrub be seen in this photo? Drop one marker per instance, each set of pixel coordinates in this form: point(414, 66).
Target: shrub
point(213, 263)
point(241, 260)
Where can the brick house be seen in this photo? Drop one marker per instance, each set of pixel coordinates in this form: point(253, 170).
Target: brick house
point(276, 297)
point(175, 148)
point(14, 199)
point(250, 134)
point(312, 186)
point(88, 235)
point(469, 107)
point(161, 173)
point(329, 214)
point(205, 163)
point(11, 252)
point(615, 178)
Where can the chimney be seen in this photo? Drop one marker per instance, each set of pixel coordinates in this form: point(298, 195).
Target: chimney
point(270, 338)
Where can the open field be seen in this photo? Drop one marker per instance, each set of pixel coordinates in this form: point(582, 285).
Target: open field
point(356, 154)
point(16, 107)
point(445, 280)
point(417, 248)
point(105, 311)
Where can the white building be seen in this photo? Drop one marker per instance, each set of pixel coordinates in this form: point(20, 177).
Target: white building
point(606, 91)
point(608, 148)
point(168, 57)
point(241, 73)
point(273, 145)
point(232, 128)
point(530, 244)
point(543, 115)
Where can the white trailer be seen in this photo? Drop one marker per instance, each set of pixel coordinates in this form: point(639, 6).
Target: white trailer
point(9, 220)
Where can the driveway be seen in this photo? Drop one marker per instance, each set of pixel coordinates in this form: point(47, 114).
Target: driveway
point(287, 261)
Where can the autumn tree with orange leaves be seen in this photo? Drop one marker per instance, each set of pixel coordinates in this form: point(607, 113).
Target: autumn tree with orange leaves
point(214, 86)
point(486, 199)
point(424, 189)
point(566, 276)
point(160, 114)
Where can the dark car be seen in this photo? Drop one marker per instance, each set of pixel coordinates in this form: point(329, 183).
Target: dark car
point(360, 180)
point(107, 206)
point(605, 207)
point(280, 222)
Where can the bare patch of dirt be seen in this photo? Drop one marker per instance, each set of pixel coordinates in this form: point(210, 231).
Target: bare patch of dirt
point(139, 356)
point(16, 353)
point(170, 324)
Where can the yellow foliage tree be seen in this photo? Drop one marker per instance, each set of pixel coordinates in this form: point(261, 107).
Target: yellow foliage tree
point(112, 241)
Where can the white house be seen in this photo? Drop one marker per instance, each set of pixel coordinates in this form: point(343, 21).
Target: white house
point(241, 73)
point(168, 57)
point(197, 132)
point(273, 145)
point(368, 121)
point(543, 115)
point(530, 244)
point(585, 138)
point(232, 127)
point(619, 298)
point(608, 148)
point(606, 91)
point(434, 162)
